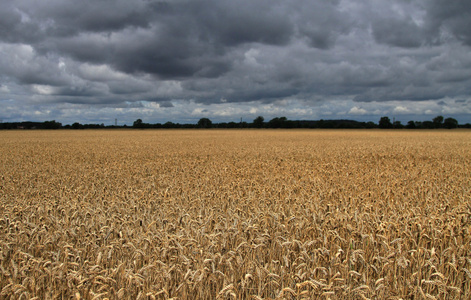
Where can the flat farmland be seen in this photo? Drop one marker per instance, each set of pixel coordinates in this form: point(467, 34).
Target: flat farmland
point(235, 214)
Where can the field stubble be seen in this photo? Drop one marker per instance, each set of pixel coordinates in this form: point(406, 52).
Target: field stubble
point(221, 214)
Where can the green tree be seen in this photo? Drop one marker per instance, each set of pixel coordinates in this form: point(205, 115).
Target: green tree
point(410, 125)
point(385, 122)
point(438, 121)
point(52, 125)
point(205, 123)
point(397, 124)
point(427, 125)
point(137, 124)
point(77, 125)
point(280, 122)
point(169, 125)
point(258, 122)
point(450, 123)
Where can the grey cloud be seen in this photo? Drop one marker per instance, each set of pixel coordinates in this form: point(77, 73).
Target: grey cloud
point(127, 87)
point(407, 93)
point(397, 32)
point(80, 91)
point(26, 67)
point(451, 16)
point(89, 48)
point(176, 39)
point(154, 51)
point(263, 94)
point(64, 18)
point(232, 23)
point(166, 104)
point(322, 22)
point(13, 29)
point(411, 24)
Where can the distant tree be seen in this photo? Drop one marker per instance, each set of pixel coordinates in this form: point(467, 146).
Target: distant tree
point(370, 125)
point(258, 122)
point(232, 125)
point(437, 121)
point(205, 123)
point(137, 124)
point(52, 125)
point(243, 125)
point(385, 122)
point(450, 123)
point(427, 125)
point(280, 122)
point(169, 125)
point(410, 125)
point(398, 125)
point(77, 125)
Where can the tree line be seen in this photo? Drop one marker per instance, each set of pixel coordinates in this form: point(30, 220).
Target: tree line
point(437, 122)
point(283, 122)
point(259, 122)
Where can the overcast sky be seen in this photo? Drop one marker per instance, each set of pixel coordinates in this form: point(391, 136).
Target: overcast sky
point(94, 61)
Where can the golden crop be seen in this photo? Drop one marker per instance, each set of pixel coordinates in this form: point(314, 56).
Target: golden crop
point(229, 214)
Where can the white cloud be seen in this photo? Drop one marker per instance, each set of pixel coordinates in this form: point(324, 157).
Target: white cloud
point(100, 73)
point(401, 109)
point(251, 57)
point(4, 89)
point(357, 111)
point(43, 89)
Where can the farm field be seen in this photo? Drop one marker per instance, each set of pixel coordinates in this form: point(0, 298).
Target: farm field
point(235, 214)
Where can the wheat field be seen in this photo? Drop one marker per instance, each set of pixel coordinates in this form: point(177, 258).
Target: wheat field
point(235, 214)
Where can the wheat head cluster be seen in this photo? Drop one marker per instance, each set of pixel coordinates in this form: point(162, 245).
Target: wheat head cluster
point(235, 214)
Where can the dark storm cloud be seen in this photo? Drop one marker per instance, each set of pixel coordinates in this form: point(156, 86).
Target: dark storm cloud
point(67, 18)
point(453, 17)
point(230, 23)
point(166, 49)
point(173, 40)
point(321, 23)
point(397, 32)
point(416, 23)
point(12, 29)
